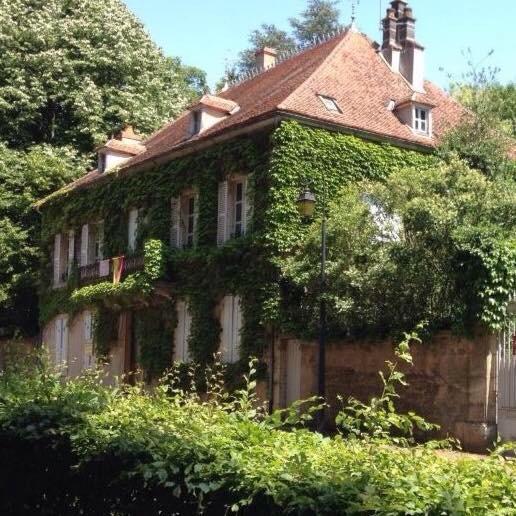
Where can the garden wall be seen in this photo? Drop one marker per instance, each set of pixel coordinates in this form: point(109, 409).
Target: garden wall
point(452, 382)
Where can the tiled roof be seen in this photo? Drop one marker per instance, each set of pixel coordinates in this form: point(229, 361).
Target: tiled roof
point(225, 105)
point(132, 149)
point(348, 68)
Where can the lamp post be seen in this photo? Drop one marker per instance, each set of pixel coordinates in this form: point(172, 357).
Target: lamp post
point(306, 206)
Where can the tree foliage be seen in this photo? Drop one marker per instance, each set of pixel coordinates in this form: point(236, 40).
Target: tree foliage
point(74, 70)
point(71, 72)
point(26, 176)
point(321, 17)
point(432, 245)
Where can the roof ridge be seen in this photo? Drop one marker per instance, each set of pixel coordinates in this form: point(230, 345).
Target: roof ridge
point(286, 55)
point(346, 32)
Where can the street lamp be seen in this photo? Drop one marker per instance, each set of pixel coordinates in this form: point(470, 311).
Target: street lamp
point(306, 205)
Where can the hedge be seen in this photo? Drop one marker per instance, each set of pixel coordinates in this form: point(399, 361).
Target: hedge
point(76, 447)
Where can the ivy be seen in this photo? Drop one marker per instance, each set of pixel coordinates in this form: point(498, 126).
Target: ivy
point(281, 163)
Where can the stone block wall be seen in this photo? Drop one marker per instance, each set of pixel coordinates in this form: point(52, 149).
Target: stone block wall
point(452, 382)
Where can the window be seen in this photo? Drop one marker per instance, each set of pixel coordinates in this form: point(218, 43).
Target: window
point(231, 322)
point(101, 167)
point(330, 103)
point(421, 120)
point(238, 209)
point(184, 220)
point(196, 122)
point(389, 224)
point(234, 209)
point(182, 333)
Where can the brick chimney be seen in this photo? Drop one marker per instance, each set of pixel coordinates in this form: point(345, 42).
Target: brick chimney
point(400, 48)
point(266, 58)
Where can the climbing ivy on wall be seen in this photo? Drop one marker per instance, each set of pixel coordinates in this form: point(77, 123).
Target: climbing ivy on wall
point(281, 163)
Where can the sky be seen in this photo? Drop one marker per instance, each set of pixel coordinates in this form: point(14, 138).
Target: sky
point(209, 34)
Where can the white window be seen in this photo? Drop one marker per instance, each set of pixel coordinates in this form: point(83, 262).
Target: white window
point(92, 243)
point(184, 215)
point(389, 225)
point(132, 229)
point(330, 103)
point(182, 333)
point(231, 322)
point(234, 208)
point(196, 122)
point(421, 120)
point(88, 358)
point(61, 340)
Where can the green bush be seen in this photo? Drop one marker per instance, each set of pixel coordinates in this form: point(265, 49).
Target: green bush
point(75, 447)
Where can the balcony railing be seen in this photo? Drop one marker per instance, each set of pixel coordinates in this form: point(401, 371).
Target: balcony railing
point(103, 270)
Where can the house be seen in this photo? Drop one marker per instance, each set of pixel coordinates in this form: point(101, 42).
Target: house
point(217, 187)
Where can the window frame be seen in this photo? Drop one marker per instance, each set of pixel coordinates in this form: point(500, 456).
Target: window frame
point(330, 103)
point(420, 122)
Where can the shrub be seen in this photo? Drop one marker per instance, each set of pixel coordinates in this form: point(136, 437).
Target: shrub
point(75, 447)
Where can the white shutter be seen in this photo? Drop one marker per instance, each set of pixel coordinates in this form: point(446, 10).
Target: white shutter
point(182, 333)
point(237, 328)
point(58, 350)
point(175, 222)
point(57, 260)
point(247, 212)
point(225, 336)
point(65, 340)
point(71, 250)
point(222, 222)
point(196, 217)
point(87, 326)
point(85, 240)
point(100, 239)
point(132, 229)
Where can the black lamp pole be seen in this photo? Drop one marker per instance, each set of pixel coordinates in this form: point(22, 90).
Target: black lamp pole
point(306, 205)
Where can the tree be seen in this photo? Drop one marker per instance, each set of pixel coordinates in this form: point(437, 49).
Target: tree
point(320, 18)
point(25, 177)
point(73, 70)
point(265, 36)
point(434, 245)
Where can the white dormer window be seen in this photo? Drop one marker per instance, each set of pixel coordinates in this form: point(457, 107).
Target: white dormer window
point(421, 120)
point(196, 122)
point(102, 163)
point(330, 103)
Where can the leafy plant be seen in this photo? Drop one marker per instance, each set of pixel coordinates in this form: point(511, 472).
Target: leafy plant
point(379, 418)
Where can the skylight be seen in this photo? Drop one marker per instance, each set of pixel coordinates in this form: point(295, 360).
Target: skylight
point(330, 103)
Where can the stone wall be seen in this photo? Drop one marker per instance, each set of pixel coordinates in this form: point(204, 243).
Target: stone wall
point(452, 383)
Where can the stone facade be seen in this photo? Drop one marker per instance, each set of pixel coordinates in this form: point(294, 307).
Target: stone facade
point(452, 382)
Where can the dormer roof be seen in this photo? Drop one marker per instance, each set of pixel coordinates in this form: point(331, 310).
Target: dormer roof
point(416, 98)
point(217, 103)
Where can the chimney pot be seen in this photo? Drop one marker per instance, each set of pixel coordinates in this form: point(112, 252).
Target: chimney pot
point(266, 58)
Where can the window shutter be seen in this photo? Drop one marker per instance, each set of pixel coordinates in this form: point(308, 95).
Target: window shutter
point(71, 250)
point(85, 239)
point(65, 340)
point(58, 341)
point(57, 260)
point(182, 333)
point(188, 327)
point(87, 326)
point(225, 337)
point(175, 223)
point(237, 328)
point(132, 229)
point(196, 217)
point(222, 224)
point(248, 204)
point(100, 239)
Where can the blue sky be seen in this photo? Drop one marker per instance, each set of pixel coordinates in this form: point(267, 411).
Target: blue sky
point(207, 34)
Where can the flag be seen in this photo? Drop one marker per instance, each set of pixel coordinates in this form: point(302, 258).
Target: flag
point(118, 269)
